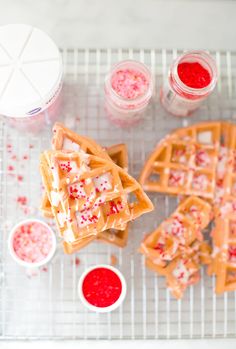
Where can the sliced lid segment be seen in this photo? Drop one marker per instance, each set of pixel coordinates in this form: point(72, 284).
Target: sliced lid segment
point(19, 87)
point(45, 81)
point(14, 37)
point(5, 73)
point(40, 47)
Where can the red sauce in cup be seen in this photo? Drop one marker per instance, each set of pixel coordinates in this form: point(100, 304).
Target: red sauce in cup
point(101, 287)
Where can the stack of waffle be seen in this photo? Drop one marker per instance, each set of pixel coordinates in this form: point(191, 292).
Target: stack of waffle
point(197, 162)
point(88, 190)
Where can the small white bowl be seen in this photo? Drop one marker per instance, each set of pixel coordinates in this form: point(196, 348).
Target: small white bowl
point(114, 305)
point(24, 263)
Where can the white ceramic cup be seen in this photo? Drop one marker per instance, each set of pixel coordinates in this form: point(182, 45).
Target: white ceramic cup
point(24, 263)
point(114, 305)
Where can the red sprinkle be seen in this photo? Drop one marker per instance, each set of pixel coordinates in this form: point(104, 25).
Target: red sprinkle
point(76, 262)
point(102, 287)
point(194, 75)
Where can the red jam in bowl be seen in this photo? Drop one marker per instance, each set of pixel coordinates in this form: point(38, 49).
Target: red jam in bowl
point(101, 287)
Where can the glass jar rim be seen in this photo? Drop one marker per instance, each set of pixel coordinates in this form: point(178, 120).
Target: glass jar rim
point(211, 66)
point(140, 67)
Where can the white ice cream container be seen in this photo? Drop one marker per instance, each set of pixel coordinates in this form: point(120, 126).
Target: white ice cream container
point(30, 74)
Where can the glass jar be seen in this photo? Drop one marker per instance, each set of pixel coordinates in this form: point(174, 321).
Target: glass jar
point(128, 90)
point(181, 96)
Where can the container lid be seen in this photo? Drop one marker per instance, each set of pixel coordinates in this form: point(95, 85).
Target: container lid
point(30, 70)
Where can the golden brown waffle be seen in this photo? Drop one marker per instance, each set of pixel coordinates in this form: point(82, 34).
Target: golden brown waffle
point(116, 237)
point(65, 139)
point(185, 162)
point(176, 234)
point(92, 193)
point(224, 232)
point(69, 141)
point(224, 253)
point(118, 154)
point(180, 272)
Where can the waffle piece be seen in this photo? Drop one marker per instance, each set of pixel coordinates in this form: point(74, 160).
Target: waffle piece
point(224, 253)
point(225, 162)
point(118, 154)
point(176, 234)
point(64, 138)
point(185, 162)
point(224, 233)
point(112, 236)
point(92, 193)
point(69, 141)
point(184, 269)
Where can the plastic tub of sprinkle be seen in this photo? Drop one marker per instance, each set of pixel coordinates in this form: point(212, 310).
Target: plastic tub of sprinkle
point(102, 288)
point(128, 90)
point(31, 77)
point(32, 243)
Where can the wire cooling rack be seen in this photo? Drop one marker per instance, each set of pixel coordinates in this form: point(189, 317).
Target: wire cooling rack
point(46, 305)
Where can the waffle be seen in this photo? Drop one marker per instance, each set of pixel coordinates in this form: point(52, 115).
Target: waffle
point(183, 270)
point(69, 141)
point(224, 232)
point(176, 234)
point(91, 192)
point(65, 139)
point(118, 154)
point(185, 162)
point(207, 150)
point(224, 240)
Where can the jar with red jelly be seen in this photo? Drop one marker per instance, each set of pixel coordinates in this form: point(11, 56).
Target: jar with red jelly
point(128, 90)
point(191, 79)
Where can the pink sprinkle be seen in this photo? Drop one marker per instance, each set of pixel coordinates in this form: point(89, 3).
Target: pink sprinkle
point(9, 148)
point(202, 158)
point(22, 200)
point(20, 178)
point(129, 83)
point(32, 242)
point(176, 178)
point(25, 157)
point(45, 269)
point(200, 182)
point(10, 168)
point(31, 146)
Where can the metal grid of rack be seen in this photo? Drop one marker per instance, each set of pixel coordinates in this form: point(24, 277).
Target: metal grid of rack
point(46, 305)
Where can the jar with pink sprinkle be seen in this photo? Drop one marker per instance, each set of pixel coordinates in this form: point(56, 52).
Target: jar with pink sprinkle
point(128, 90)
point(32, 243)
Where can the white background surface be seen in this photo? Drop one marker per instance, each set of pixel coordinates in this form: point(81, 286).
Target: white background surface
point(130, 23)
point(205, 24)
